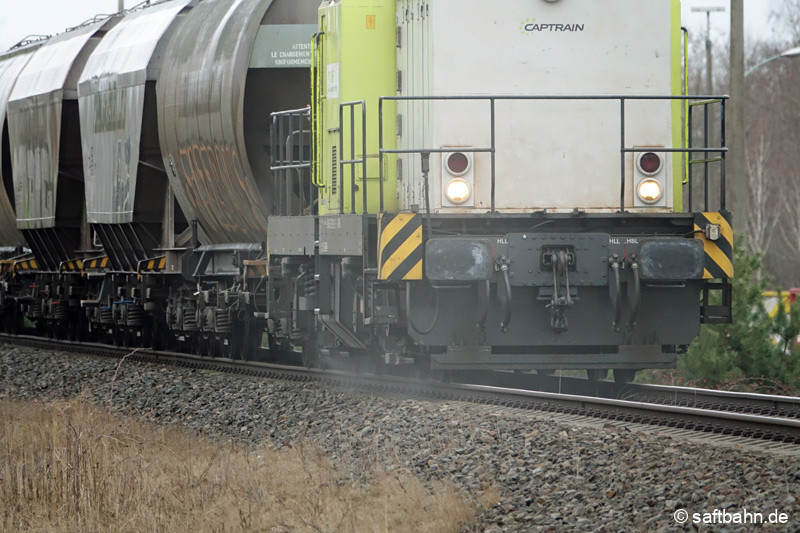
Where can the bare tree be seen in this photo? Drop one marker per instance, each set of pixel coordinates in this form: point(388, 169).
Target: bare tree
point(790, 226)
point(773, 138)
point(764, 206)
point(787, 16)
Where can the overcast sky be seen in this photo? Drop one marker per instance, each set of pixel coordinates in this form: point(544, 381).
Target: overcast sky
point(757, 23)
point(20, 18)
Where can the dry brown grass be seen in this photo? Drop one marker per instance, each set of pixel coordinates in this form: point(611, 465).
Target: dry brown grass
point(68, 466)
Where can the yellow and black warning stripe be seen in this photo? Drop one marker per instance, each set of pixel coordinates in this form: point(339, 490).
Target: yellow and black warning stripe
point(76, 265)
point(25, 265)
point(719, 253)
point(7, 265)
point(255, 268)
point(400, 249)
point(155, 264)
point(96, 263)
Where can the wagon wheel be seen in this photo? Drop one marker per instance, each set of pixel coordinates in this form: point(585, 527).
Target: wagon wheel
point(624, 375)
point(596, 374)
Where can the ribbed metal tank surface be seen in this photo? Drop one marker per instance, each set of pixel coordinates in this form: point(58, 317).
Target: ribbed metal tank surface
point(11, 64)
point(111, 95)
point(201, 96)
point(35, 110)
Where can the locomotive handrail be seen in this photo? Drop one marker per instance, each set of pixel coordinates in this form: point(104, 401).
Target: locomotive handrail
point(703, 100)
point(706, 159)
point(285, 127)
point(278, 129)
point(353, 161)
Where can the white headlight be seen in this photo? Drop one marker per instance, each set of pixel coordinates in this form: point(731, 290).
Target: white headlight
point(649, 191)
point(457, 191)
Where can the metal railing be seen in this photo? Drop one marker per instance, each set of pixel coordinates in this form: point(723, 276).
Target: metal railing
point(706, 161)
point(352, 160)
point(623, 149)
point(290, 142)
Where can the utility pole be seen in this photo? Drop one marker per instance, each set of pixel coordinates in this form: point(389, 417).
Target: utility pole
point(709, 60)
point(736, 174)
point(120, 5)
point(709, 55)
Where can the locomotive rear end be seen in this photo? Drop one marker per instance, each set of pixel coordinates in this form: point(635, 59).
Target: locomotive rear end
point(522, 172)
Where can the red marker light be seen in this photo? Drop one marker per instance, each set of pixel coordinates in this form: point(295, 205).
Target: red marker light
point(457, 163)
point(649, 163)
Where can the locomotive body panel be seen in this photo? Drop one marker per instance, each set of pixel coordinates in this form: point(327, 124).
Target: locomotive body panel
point(567, 151)
point(358, 55)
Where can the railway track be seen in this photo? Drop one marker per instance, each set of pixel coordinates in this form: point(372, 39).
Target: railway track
point(698, 410)
point(709, 399)
point(739, 402)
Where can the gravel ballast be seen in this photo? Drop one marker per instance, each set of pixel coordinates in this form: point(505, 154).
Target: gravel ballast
point(549, 474)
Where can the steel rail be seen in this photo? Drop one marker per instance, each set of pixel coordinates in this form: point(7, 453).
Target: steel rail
point(721, 400)
point(717, 400)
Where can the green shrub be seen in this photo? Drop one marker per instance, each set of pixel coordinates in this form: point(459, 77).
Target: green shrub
point(755, 352)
